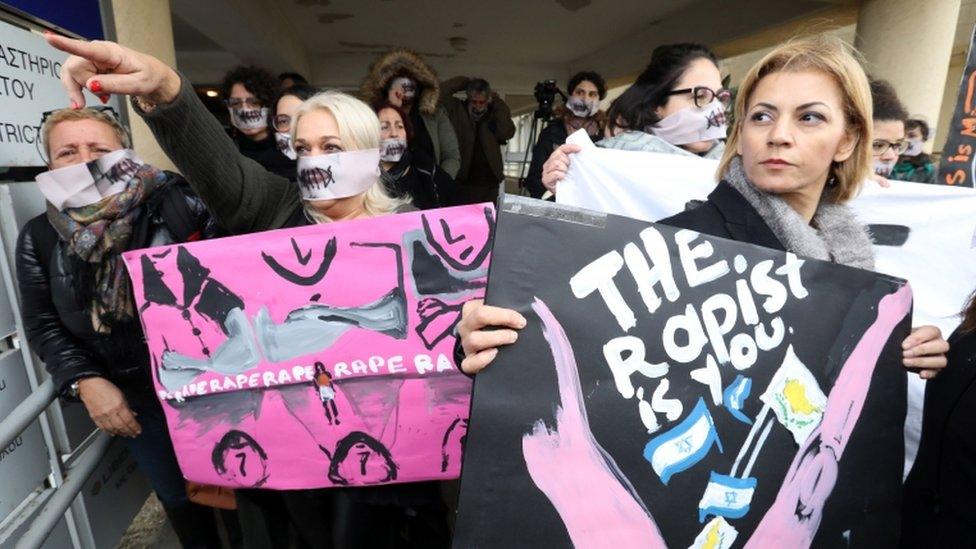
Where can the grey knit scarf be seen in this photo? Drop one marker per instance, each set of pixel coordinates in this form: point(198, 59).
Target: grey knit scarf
point(834, 234)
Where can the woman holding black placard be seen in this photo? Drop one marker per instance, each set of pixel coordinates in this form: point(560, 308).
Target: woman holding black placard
point(799, 148)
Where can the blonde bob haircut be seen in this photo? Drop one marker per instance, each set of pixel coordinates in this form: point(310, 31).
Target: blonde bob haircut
point(359, 129)
point(72, 115)
point(841, 62)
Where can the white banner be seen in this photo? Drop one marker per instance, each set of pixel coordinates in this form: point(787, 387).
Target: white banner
point(30, 84)
point(923, 233)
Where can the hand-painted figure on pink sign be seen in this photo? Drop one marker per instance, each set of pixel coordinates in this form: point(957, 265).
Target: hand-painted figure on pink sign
point(318, 356)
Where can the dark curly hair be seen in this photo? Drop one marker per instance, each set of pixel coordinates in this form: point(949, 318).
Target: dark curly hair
point(256, 80)
point(887, 106)
point(588, 76)
point(634, 109)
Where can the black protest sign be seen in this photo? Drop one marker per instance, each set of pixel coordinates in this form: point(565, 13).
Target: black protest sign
point(957, 166)
point(674, 390)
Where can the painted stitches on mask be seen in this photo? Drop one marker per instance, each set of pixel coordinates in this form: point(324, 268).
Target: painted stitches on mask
point(316, 178)
point(122, 171)
point(391, 150)
point(716, 119)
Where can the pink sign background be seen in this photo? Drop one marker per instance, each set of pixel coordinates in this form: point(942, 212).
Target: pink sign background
point(319, 356)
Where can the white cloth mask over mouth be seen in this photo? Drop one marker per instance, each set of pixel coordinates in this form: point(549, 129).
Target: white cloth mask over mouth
point(391, 150)
point(408, 88)
point(883, 168)
point(691, 125)
point(249, 119)
point(338, 175)
point(283, 139)
point(87, 183)
point(914, 147)
point(583, 108)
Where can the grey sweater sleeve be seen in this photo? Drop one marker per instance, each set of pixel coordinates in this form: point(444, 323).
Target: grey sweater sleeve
point(242, 196)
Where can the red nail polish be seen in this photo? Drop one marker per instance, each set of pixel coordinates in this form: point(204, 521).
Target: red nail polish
point(104, 98)
point(95, 86)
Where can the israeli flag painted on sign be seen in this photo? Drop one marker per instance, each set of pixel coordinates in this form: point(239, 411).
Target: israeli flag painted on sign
point(684, 445)
point(735, 396)
point(726, 496)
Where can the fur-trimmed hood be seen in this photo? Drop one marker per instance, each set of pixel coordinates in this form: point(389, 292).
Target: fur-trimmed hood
point(402, 62)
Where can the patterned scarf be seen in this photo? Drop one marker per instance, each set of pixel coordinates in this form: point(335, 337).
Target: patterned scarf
point(574, 123)
point(98, 234)
point(391, 178)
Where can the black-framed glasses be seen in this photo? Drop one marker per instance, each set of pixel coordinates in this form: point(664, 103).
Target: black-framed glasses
point(237, 102)
point(703, 95)
point(881, 146)
point(282, 122)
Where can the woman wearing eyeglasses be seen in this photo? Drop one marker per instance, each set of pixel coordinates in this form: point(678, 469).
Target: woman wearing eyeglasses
point(889, 128)
point(676, 106)
point(281, 116)
point(77, 299)
point(250, 93)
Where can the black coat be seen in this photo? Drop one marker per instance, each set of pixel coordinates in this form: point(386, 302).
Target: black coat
point(937, 507)
point(425, 184)
point(266, 153)
point(551, 137)
point(59, 328)
point(727, 214)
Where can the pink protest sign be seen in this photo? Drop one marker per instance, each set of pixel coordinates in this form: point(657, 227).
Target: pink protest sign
point(319, 356)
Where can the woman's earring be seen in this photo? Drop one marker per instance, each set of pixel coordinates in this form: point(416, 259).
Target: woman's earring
point(832, 180)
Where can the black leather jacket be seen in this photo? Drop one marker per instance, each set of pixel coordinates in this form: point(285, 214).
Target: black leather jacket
point(60, 330)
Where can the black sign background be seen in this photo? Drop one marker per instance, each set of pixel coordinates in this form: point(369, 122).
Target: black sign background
point(538, 247)
point(956, 164)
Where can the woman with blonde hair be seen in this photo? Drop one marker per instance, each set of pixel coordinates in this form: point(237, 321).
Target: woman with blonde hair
point(77, 302)
point(336, 139)
point(799, 149)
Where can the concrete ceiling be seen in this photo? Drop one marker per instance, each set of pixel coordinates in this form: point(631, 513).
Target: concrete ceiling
point(512, 43)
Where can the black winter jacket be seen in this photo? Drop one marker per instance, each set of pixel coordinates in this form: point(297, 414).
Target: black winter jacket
point(938, 492)
point(550, 138)
point(59, 328)
point(727, 214)
point(425, 184)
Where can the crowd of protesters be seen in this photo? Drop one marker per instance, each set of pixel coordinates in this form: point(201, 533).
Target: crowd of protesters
point(809, 128)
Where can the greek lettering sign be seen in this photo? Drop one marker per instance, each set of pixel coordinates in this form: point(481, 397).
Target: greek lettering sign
point(30, 84)
point(673, 389)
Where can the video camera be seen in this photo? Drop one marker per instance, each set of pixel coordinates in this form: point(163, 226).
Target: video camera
point(545, 94)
